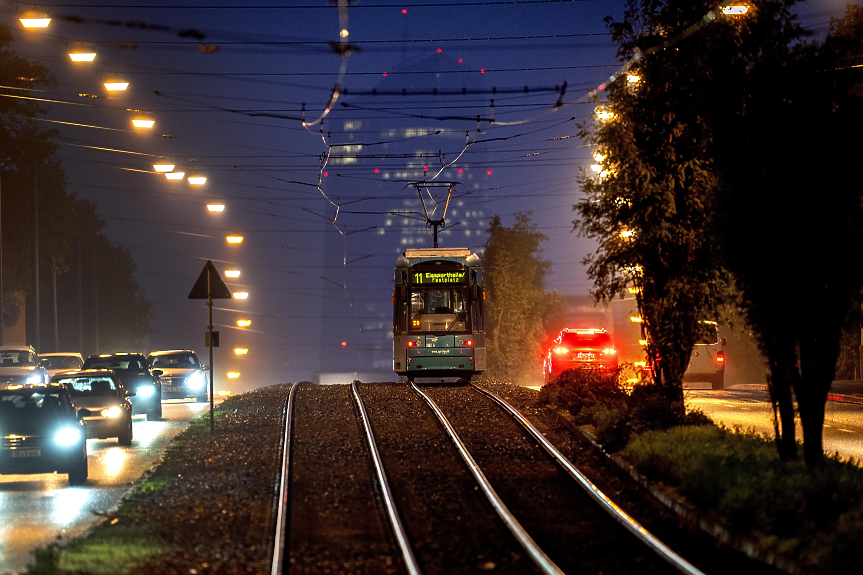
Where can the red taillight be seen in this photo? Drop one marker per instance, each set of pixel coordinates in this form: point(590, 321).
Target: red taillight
point(465, 342)
point(720, 356)
point(609, 351)
point(411, 343)
point(561, 350)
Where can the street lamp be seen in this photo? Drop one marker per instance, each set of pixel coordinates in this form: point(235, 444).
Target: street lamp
point(241, 295)
point(244, 322)
point(116, 84)
point(175, 175)
point(197, 179)
point(735, 10)
point(214, 207)
point(35, 19)
point(82, 52)
point(234, 238)
point(141, 120)
point(232, 273)
point(241, 350)
point(233, 374)
point(163, 165)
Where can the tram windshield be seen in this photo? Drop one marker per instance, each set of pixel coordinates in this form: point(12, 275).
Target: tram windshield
point(435, 310)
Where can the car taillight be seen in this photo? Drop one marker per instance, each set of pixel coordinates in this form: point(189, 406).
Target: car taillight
point(609, 351)
point(465, 342)
point(720, 356)
point(411, 343)
point(561, 350)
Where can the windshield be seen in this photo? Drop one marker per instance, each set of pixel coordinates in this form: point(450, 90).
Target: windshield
point(30, 403)
point(100, 385)
point(63, 362)
point(117, 363)
point(587, 339)
point(174, 360)
point(439, 310)
point(708, 333)
point(16, 358)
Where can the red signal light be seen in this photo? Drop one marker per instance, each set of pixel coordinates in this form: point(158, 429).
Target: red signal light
point(385, 74)
point(411, 343)
point(460, 170)
point(482, 71)
point(344, 343)
point(405, 11)
point(720, 356)
point(439, 50)
point(326, 174)
point(425, 168)
point(488, 172)
point(377, 171)
point(459, 60)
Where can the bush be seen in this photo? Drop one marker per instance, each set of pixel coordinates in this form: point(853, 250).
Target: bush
point(577, 389)
point(813, 513)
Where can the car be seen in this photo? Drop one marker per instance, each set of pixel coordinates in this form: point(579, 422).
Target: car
point(20, 364)
point(580, 349)
point(134, 372)
point(103, 394)
point(54, 363)
point(707, 362)
point(183, 375)
point(42, 432)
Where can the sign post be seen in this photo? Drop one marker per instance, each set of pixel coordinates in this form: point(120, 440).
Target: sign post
point(210, 286)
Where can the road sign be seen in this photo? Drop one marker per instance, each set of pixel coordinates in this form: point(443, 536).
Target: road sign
point(210, 284)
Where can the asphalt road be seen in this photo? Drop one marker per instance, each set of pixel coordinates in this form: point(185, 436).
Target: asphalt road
point(749, 407)
point(38, 509)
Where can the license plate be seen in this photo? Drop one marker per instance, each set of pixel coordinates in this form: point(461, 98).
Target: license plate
point(172, 389)
point(585, 355)
point(26, 453)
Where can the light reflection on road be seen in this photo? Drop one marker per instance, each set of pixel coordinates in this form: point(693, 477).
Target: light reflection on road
point(37, 509)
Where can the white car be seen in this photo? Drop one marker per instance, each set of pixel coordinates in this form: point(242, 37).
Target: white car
point(19, 364)
point(57, 362)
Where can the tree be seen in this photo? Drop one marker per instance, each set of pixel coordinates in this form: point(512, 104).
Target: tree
point(787, 224)
point(516, 300)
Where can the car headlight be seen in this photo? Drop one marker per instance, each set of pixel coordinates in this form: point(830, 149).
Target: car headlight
point(34, 379)
point(68, 436)
point(145, 391)
point(196, 381)
point(111, 412)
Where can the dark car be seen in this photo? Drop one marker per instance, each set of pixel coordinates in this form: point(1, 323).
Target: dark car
point(183, 375)
point(580, 349)
point(135, 374)
point(41, 432)
point(102, 393)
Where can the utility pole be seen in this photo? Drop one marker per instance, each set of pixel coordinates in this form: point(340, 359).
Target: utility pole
point(35, 255)
point(1, 258)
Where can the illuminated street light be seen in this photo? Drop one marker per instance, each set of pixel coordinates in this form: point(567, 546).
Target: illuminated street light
point(141, 120)
point(197, 179)
point(35, 19)
point(736, 10)
point(596, 168)
point(216, 207)
point(82, 52)
point(241, 294)
point(244, 322)
point(232, 273)
point(225, 393)
point(598, 156)
point(116, 84)
point(633, 79)
point(163, 165)
point(636, 319)
point(234, 238)
point(233, 374)
point(175, 175)
point(603, 114)
point(241, 350)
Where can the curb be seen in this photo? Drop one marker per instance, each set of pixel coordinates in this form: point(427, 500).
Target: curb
point(753, 548)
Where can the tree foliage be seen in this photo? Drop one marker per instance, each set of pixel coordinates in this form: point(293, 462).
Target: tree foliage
point(28, 158)
point(787, 222)
point(516, 300)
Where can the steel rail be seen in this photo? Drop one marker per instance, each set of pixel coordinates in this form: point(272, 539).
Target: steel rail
point(616, 512)
point(538, 555)
point(389, 501)
point(281, 522)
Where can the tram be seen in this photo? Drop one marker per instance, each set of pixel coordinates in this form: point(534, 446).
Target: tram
point(437, 314)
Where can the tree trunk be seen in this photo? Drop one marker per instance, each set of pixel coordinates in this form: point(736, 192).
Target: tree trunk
point(783, 378)
point(817, 367)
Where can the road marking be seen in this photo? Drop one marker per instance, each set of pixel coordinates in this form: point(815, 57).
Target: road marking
point(845, 430)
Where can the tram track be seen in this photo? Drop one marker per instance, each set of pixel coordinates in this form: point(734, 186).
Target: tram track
point(373, 483)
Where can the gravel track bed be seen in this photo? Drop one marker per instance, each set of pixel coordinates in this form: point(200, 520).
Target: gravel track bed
point(569, 526)
point(451, 525)
point(336, 524)
point(695, 546)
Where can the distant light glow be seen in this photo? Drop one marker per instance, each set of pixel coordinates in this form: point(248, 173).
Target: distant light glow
point(596, 168)
point(425, 168)
point(143, 122)
point(605, 114)
point(460, 170)
point(636, 319)
point(326, 174)
point(459, 60)
point(344, 344)
point(482, 71)
point(385, 74)
point(244, 322)
point(488, 172)
point(163, 165)
point(598, 156)
point(241, 295)
point(633, 79)
point(241, 350)
point(439, 50)
point(377, 171)
point(216, 207)
point(175, 175)
point(737, 10)
point(232, 273)
point(404, 11)
point(344, 33)
point(197, 179)
point(35, 19)
point(82, 57)
point(233, 375)
point(234, 239)
point(116, 86)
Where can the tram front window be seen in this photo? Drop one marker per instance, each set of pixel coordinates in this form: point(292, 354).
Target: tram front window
point(439, 310)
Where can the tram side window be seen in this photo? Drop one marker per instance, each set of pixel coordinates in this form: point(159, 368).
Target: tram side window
point(435, 310)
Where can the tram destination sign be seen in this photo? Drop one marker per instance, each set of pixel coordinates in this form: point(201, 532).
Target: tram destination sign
point(430, 278)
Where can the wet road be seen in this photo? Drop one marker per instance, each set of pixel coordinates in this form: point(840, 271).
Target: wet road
point(37, 509)
point(749, 407)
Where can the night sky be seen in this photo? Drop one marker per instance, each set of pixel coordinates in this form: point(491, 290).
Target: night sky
point(228, 105)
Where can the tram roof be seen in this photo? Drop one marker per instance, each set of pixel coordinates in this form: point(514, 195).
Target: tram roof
point(424, 253)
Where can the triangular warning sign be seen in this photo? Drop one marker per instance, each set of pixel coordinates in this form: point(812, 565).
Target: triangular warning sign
point(210, 284)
